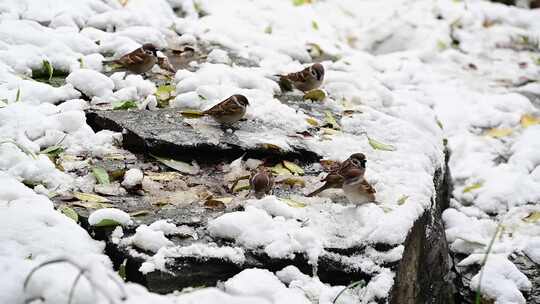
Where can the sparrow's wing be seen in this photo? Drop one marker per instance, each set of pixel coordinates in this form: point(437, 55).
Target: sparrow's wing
point(298, 76)
point(226, 107)
point(367, 187)
point(136, 57)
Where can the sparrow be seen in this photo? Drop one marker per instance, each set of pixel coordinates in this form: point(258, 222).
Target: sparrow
point(306, 80)
point(229, 110)
point(140, 60)
point(356, 188)
point(261, 182)
point(334, 179)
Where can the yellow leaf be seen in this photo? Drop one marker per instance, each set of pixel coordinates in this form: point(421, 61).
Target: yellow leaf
point(472, 187)
point(330, 120)
point(294, 168)
point(140, 213)
point(162, 176)
point(178, 165)
point(88, 197)
point(280, 170)
point(498, 133)
point(270, 146)
point(315, 95)
point(292, 181)
point(224, 200)
point(312, 121)
point(377, 145)
point(241, 185)
point(328, 131)
point(293, 203)
point(533, 217)
point(528, 120)
point(91, 205)
point(191, 113)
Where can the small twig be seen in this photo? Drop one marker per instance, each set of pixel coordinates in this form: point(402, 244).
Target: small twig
point(478, 289)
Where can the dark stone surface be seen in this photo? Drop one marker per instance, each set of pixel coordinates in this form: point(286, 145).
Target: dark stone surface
point(166, 133)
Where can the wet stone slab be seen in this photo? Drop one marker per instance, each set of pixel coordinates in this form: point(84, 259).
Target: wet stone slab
point(166, 132)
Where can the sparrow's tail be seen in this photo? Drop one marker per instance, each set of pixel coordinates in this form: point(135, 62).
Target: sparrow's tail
point(321, 189)
point(192, 113)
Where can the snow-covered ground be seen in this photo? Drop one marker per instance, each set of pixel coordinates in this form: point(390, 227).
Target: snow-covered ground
point(396, 70)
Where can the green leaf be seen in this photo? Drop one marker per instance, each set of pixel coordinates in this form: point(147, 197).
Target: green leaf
point(294, 168)
point(314, 25)
point(122, 270)
point(472, 187)
point(107, 223)
point(53, 151)
point(164, 92)
point(268, 30)
point(91, 198)
point(315, 95)
point(140, 213)
point(402, 199)
point(441, 45)
point(101, 175)
point(377, 145)
point(280, 170)
point(125, 105)
point(330, 120)
point(81, 63)
point(2, 103)
point(48, 68)
point(177, 165)
point(18, 96)
point(67, 211)
point(301, 2)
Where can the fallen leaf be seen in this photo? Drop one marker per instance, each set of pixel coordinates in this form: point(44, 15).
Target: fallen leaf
point(533, 217)
point(165, 92)
point(178, 165)
point(294, 168)
point(472, 187)
point(107, 223)
point(293, 203)
point(528, 120)
point(241, 185)
point(279, 169)
point(162, 176)
point(402, 199)
point(315, 95)
point(377, 145)
point(53, 151)
point(315, 25)
point(91, 205)
point(499, 132)
point(293, 181)
point(69, 212)
point(18, 97)
point(125, 105)
point(270, 146)
point(48, 68)
point(330, 120)
point(301, 2)
point(101, 175)
point(140, 213)
point(88, 197)
point(312, 121)
point(191, 113)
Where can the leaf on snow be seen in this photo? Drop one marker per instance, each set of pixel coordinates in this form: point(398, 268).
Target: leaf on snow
point(377, 145)
point(499, 132)
point(533, 217)
point(472, 187)
point(164, 92)
point(528, 120)
point(315, 95)
point(293, 203)
point(192, 113)
point(330, 120)
point(402, 199)
point(107, 223)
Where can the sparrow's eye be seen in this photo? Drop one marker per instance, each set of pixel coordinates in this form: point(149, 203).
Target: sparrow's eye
point(314, 73)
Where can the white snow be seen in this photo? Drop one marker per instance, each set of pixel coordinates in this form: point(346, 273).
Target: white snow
point(112, 214)
point(395, 69)
point(132, 178)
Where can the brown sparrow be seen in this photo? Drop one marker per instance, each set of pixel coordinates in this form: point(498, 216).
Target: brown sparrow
point(229, 110)
point(140, 60)
point(356, 188)
point(334, 179)
point(261, 182)
point(306, 80)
